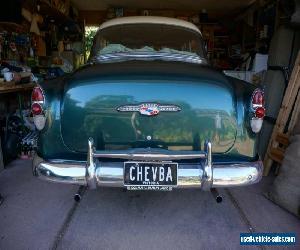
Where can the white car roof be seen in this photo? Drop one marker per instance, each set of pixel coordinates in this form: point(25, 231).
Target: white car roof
point(150, 19)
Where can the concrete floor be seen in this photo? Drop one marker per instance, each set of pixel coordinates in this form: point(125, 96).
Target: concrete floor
point(41, 215)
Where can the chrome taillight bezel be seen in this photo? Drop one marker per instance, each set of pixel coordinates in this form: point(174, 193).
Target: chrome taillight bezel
point(254, 106)
point(39, 119)
point(255, 121)
point(43, 95)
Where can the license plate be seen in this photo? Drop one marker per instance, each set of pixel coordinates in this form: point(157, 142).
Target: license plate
point(150, 175)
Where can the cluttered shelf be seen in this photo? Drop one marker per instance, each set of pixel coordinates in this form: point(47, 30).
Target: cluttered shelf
point(47, 9)
point(9, 87)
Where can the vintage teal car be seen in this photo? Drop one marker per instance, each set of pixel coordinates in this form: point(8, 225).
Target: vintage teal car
point(148, 113)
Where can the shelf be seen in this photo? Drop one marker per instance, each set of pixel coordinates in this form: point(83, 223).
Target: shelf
point(14, 27)
point(10, 87)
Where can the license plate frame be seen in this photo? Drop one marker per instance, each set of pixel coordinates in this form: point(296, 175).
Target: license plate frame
point(151, 184)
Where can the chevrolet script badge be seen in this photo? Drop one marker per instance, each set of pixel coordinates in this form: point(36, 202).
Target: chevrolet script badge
point(149, 109)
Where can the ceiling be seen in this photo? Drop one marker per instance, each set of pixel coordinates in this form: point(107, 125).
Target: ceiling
point(210, 5)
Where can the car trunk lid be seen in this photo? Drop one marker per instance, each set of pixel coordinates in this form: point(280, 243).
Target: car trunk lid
point(93, 97)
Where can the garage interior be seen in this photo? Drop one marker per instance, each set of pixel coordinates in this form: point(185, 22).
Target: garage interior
point(257, 41)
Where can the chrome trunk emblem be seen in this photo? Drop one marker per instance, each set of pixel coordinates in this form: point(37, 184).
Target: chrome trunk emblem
point(149, 109)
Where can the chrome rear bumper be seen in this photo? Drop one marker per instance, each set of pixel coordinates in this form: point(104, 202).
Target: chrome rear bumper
point(95, 172)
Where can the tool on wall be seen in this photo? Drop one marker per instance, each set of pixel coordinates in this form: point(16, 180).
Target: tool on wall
point(34, 19)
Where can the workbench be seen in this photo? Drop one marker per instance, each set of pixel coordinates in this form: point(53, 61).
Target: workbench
point(12, 88)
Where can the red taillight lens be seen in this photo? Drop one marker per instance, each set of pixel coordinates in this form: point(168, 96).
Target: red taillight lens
point(37, 105)
point(258, 98)
point(257, 105)
point(37, 95)
point(36, 109)
point(260, 112)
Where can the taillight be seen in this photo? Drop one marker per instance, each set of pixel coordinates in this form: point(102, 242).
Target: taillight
point(37, 95)
point(257, 106)
point(258, 99)
point(260, 112)
point(37, 107)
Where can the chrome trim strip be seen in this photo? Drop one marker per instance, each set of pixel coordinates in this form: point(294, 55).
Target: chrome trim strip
point(148, 156)
point(151, 154)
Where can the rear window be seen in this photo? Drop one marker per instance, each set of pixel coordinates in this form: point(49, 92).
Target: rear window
point(148, 38)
